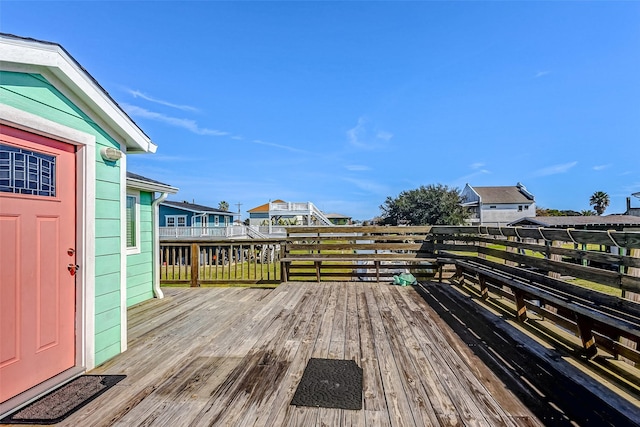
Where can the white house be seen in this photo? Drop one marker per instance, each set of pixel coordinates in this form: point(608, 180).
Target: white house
point(497, 206)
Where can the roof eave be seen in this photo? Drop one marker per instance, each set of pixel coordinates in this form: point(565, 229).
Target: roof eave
point(43, 57)
point(150, 186)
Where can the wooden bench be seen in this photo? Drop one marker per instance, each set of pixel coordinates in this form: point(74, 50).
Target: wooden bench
point(595, 317)
point(357, 253)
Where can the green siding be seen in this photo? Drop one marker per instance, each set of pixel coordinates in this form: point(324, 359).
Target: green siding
point(34, 94)
point(140, 266)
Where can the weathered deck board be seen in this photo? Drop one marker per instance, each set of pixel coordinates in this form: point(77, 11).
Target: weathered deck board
point(235, 356)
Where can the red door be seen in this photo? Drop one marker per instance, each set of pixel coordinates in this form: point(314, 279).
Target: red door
point(37, 244)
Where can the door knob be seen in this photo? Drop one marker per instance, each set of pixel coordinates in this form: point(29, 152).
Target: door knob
point(73, 269)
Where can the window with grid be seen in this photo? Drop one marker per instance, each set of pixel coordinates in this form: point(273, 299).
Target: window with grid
point(132, 221)
point(24, 171)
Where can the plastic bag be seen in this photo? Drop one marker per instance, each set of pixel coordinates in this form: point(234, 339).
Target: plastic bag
point(404, 279)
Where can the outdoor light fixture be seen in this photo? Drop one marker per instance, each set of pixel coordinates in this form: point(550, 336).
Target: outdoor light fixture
point(110, 154)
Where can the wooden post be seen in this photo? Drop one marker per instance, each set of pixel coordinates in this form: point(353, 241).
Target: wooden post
point(585, 326)
point(520, 305)
point(553, 257)
point(484, 290)
point(511, 250)
point(635, 272)
point(195, 264)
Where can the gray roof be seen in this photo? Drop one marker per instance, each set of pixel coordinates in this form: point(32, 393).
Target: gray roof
point(336, 215)
point(194, 207)
point(508, 194)
point(578, 221)
point(143, 178)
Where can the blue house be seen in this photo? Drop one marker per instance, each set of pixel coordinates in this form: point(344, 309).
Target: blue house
point(184, 219)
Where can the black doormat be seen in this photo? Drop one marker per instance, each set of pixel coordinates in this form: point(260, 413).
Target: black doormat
point(329, 383)
point(64, 401)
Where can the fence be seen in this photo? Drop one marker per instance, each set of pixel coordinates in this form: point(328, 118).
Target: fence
point(220, 261)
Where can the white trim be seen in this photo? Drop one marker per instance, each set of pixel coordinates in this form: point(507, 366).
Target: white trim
point(123, 250)
point(38, 57)
point(150, 186)
point(85, 220)
point(132, 250)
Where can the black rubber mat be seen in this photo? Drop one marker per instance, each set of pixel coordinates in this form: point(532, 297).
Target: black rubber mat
point(64, 401)
point(329, 383)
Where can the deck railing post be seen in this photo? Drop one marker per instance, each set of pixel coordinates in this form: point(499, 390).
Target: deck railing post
point(634, 272)
point(195, 265)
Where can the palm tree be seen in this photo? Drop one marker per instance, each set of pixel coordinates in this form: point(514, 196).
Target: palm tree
point(223, 206)
point(586, 212)
point(600, 201)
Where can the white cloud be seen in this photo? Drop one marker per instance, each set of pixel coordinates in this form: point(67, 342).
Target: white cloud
point(357, 168)
point(359, 135)
point(555, 169)
point(476, 165)
point(187, 124)
point(541, 74)
point(368, 185)
point(138, 94)
point(284, 147)
point(384, 135)
point(468, 178)
point(601, 167)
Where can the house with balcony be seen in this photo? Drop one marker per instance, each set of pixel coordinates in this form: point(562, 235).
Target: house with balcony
point(498, 206)
point(184, 219)
point(635, 211)
point(279, 212)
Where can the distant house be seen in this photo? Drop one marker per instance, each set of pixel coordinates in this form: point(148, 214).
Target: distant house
point(180, 219)
point(142, 236)
point(338, 219)
point(590, 222)
point(279, 212)
point(498, 205)
point(630, 210)
point(65, 254)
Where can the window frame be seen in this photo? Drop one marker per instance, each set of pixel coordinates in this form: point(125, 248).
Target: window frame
point(135, 248)
point(176, 219)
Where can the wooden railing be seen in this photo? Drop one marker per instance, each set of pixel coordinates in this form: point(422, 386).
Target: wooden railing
point(358, 253)
point(220, 261)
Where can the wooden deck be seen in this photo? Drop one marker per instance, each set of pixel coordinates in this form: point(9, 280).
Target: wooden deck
point(234, 357)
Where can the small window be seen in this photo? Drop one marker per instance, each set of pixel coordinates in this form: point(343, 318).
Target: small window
point(216, 220)
point(176, 220)
point(519, 208)
point(133, 223)
point(24, 171)
point(493, 207)
point(526, 207)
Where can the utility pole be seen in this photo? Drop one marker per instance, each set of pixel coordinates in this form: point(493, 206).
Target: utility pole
point(239, 215)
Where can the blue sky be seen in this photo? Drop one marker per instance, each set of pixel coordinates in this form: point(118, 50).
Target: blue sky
point(345, 103)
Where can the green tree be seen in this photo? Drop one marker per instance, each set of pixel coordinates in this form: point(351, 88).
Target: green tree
point(431, 205)
point(223, 206)
point(600, 201)
point(586, 212)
